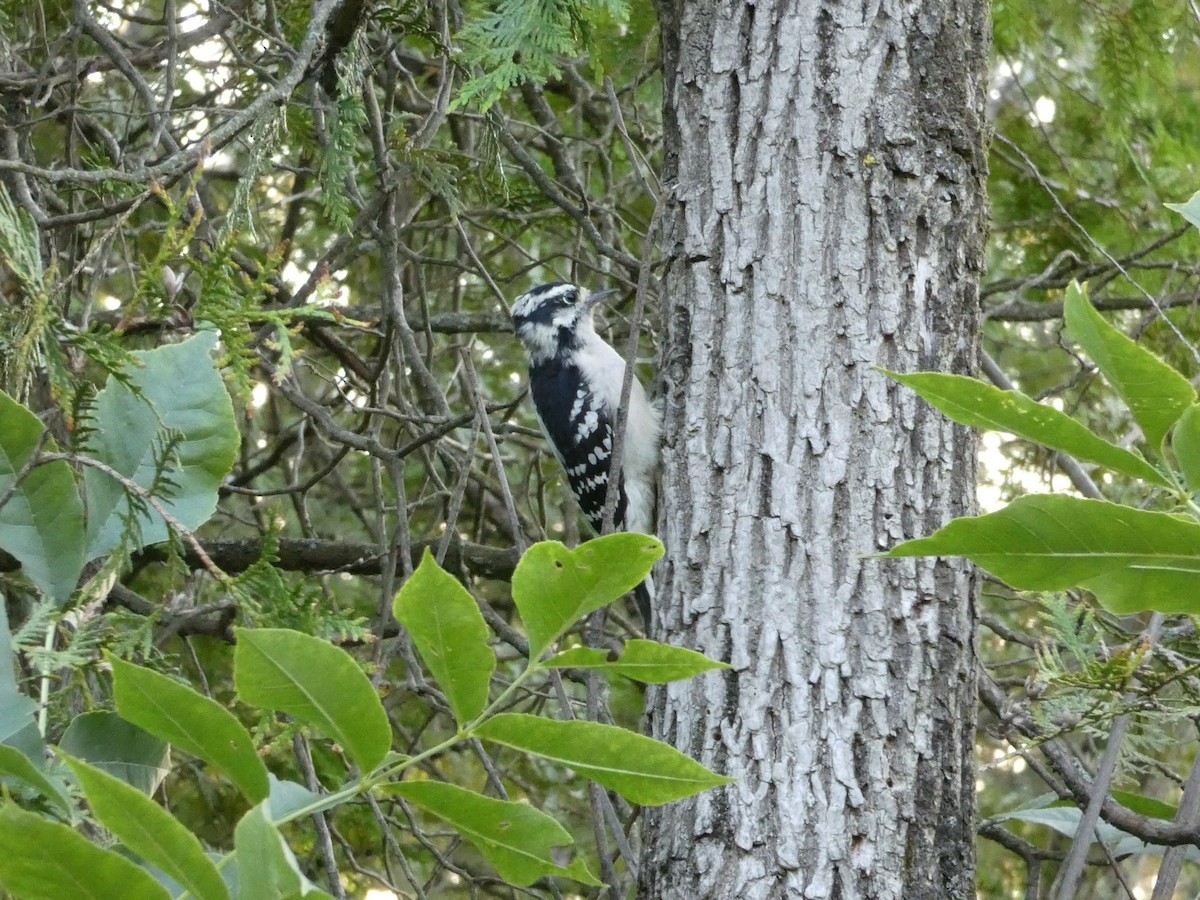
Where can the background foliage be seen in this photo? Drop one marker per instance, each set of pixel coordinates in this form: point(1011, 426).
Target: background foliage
point(350, 193)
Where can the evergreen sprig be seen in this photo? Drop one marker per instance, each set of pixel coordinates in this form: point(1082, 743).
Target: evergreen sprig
point(522, 41)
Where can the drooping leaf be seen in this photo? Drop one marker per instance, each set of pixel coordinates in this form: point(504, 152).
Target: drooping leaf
point(44, 860)
point(969, 401)
point(16, 764)
point(181, 390)
point(1155, 393)
point(150, 831)
point(118, 747)
point(1131, 559)
point(191, 722)
point(267, 868)
point(41, 521)
point(1185, 440)
point(640, 769)
point(553, 587)
point(450, 635)
point(646, 661)
point(18, 727)
point(317, 683)
point(517, 839)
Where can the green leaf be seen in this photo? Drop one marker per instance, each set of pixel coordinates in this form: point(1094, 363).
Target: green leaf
point(191, 722)
point(119, 748)
point(15, 763)
point(450, 635)
point(640, 769)
point(267, 868)
point(517, 839)
point(150, 831)
point(181, 390)
point(1185, 440)
point(41, 521)
point(43, 860)
point(553, 587)
point(1189, 210)
point(969, 401)
point(18, 727)
point(645, 661)
point(1131, 559)
point(1146, 806)
point(1155, 393)
point(315, 682)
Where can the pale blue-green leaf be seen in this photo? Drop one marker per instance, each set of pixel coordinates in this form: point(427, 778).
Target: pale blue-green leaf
point(640, 769)
point(267, 868)
point(450, 635)
point(181, 390)
point(150, 831)
point(517, 839)
point(18, 727)
point(191, 722)
point(1189, 210)
point(971, 402)
point(316, 682)
point(41, 521)
point(118, 747)
point(1131, 559)
point(44, 860)
point(553, 587)
point(286, 798)
point(1185, 440)
point(1064, 818)
point(646, 661)
point(1155, 393)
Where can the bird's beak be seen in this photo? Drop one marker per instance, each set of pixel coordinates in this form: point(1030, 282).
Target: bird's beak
point(596, 296)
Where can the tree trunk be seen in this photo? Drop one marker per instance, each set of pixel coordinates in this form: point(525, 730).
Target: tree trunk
point(828, 168)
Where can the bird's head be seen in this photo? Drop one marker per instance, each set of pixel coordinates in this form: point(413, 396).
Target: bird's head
point(554, 317)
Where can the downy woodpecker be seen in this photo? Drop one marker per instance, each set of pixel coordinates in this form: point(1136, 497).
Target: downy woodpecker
point(575, 377)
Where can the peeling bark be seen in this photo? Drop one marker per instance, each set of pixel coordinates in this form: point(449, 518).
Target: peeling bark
point(829, 211)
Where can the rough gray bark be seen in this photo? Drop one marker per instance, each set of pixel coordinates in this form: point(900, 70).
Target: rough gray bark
point(828, 167)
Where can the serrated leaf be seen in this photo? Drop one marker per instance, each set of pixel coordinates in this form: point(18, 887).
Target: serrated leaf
point(315, 682)
point(517, 839)
point(647, 661)
point(190, 721)
point(181, 390)
point(41, 521)
point(44, 860)
point(267, 868)
point(1155, 393)
point(1189, 210)
point(640, 769)
point(118, 747)
point(1131, 559)
point(969, 401)
point(1185, 440)
point(150, 831)
point(450, 635)
point(16, 764)
point(553, 587)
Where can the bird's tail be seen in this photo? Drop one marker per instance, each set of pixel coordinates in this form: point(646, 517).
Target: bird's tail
point(644, 595)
